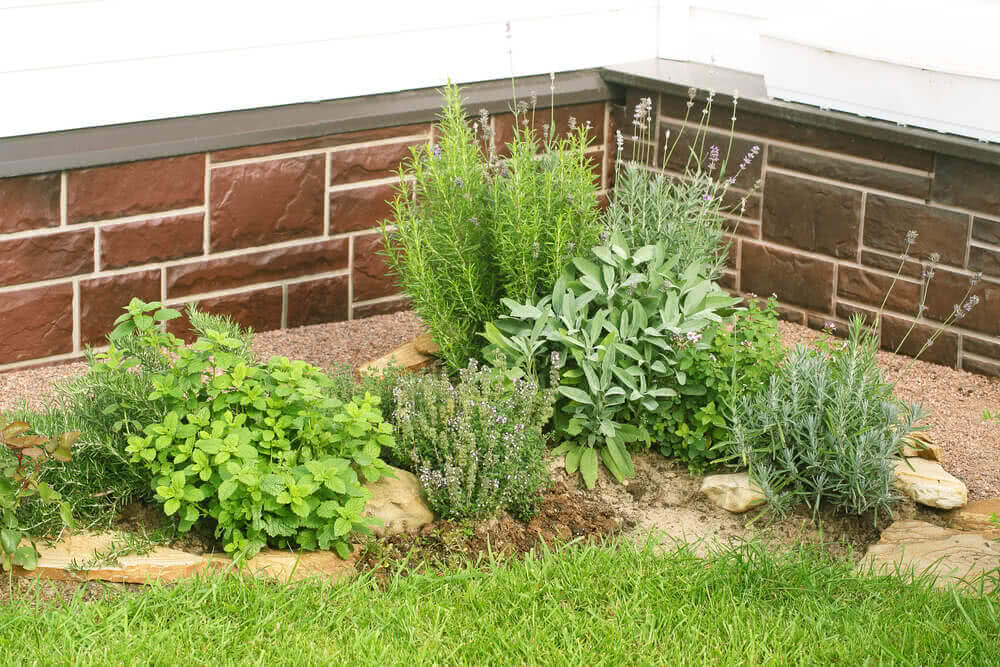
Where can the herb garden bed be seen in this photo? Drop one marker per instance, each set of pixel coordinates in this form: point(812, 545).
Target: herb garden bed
point(662, 500)
point(589, 369)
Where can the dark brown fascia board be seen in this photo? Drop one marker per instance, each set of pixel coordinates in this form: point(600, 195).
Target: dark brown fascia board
point(675, 77)
point(92, 146)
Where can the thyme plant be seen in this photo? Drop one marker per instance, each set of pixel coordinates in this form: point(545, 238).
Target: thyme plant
point(477, 446)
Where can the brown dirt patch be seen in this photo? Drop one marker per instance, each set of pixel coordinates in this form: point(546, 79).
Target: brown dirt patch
point(565, 516)
point(663, 503)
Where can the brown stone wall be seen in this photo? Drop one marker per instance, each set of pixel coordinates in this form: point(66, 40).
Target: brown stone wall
point(825, 229)
point(276, 235)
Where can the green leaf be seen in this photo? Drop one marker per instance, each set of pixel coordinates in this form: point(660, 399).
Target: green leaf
point(171, 506)
point(573, 460)
point(342, 550)
point(164, 314)
point(575, 394)
point(588, 466)
point(272, 484)
point(9, 539)
point(341, 527)
point(644, 254)
point(27, 557)
point(605, 255)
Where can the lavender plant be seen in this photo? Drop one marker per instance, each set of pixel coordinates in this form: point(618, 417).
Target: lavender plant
point(476, 446)
point(684, 212)
point(827, 429)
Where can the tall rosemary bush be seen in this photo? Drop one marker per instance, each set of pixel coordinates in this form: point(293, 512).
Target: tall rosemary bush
point(469, 228)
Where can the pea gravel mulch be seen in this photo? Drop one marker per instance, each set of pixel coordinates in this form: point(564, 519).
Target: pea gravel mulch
point(954, 399)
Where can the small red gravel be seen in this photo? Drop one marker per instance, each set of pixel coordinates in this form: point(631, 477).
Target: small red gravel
point(955, 400)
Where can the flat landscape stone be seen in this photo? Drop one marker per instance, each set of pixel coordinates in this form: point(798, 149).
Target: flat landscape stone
point(917, 547)
point(60, 561)
point(733, 492)
point(287, 566)
point(927, 483)
point(415, 354)
point(978, 516)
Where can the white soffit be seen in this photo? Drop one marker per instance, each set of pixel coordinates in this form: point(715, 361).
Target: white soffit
point(935, 67)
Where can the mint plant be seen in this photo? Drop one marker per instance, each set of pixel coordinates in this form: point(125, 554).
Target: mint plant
point(262, 450)
point(615, 329)
point(20, 479)
point(738, 361)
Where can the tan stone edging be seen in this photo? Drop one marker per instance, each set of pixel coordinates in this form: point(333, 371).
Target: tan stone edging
point(60, 561)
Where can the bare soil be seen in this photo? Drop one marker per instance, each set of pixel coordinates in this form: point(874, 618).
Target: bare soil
point(565, 516)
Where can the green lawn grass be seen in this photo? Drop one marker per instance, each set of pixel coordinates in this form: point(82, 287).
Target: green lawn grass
point(582, 605)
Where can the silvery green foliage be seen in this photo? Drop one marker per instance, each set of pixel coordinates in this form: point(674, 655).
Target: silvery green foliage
point(826, 430)
point(611, 328)
point(477, 446)
point(684, 215)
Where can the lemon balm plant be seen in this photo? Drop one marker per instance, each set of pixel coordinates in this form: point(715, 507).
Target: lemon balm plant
point(470, 227)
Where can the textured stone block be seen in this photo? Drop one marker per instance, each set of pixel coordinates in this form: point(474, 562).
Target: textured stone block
point(149, 186)
point(257, 267)
point(965, 183)
point(593, 112)
point(981, 367)
point(381, 308)
point(370, 162)
point(371, 279)
point(682, 141)
point(800, 133)
point(312, 143)
point(29, 202)
point(102, 300)
point(147, 241)
point(847, 312)
point(943, 351)
point(890, 263)
point(948, 289)
point(856, 173)
point(888, 219)
point(25, 260)
point(360, 208)
point(258, 309)
point(985, 230)
point(267, 202)
point(318, 301)
point(871, 288)
point(811, 215)
point(985, 260)
point(796, 279)
point(981, 346)
point(36, 323)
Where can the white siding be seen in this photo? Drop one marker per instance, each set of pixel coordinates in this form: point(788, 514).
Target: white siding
point(67, 64)
point(98, 62)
